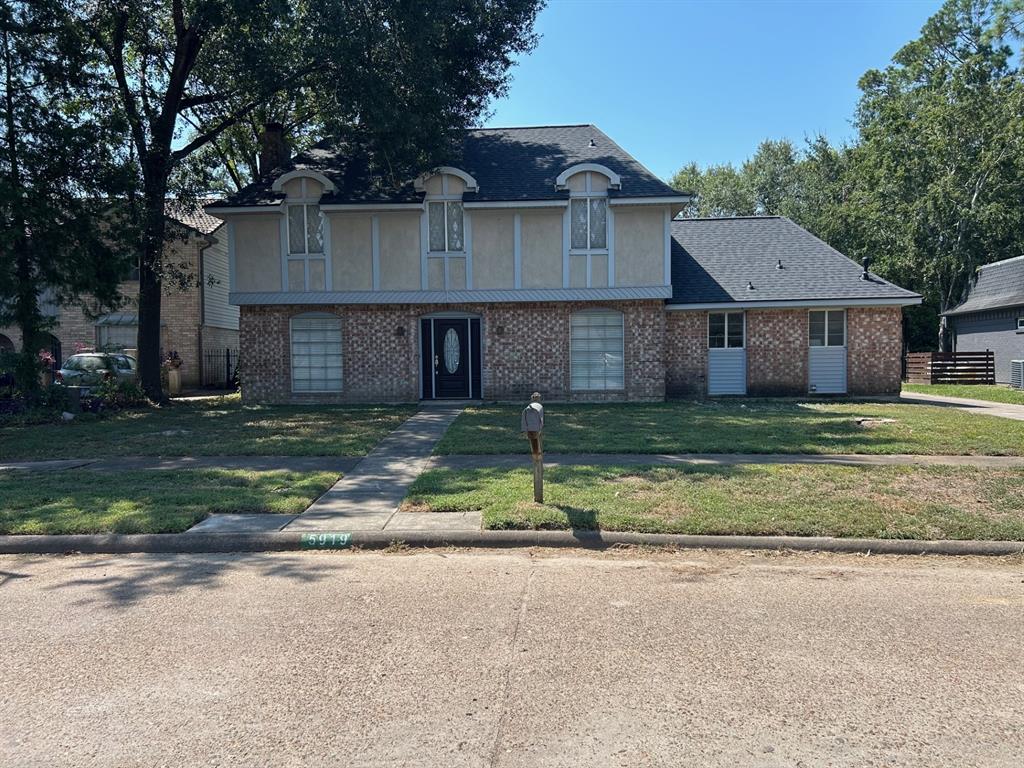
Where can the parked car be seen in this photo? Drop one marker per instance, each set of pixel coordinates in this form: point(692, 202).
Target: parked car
point(88, 369)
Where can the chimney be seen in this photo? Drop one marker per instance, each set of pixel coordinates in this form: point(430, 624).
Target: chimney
point(273, 152)
point(867, 265)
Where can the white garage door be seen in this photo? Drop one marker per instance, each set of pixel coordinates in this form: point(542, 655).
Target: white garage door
point(727, 354)
point(827, 353)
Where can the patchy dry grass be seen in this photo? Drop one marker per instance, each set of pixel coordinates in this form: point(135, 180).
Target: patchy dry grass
point(147, 501)
point(740, 426)
point(779, 499)
point(210, 428)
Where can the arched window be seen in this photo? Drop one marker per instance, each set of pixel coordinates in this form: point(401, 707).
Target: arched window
point(596, 343)
point(316, 353)
point(589, 223)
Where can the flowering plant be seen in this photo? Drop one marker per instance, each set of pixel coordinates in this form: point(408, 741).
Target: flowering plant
point(172, 361)
point(46, 357)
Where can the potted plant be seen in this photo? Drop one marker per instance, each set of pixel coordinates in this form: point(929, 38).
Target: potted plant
point(46, 363)
point(172, 364)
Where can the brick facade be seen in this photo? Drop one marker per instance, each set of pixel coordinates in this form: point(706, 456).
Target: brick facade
point(875, 341)
point(525, 348)
point(777, 351)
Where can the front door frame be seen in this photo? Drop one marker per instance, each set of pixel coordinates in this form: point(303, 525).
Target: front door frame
point(474, 343)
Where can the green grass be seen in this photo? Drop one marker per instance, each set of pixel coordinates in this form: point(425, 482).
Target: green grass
point(974, 391)
point(152, 501)
point(739, 426)
point(899, 502)
point(209, 428)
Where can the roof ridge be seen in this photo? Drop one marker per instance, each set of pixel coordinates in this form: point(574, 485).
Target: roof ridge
point(529, 127)
point(726, 218)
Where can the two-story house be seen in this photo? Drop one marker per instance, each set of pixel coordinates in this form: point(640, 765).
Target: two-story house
point(543, 259)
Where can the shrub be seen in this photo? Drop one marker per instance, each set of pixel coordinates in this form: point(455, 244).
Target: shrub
point(120, 394)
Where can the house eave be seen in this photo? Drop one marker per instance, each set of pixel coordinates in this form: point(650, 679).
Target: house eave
point(800, 303)
point(503, 296)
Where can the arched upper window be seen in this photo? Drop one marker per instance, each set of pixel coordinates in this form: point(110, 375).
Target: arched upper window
point(596, 344)
point(468, 182)
point(613, 179)
point(326, 185)
point(306, 267)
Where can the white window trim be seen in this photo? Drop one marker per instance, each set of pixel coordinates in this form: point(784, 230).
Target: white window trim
point(305, 199)
point(599, 310)
point(446, 170)
point(826, 345)
point(609, 236)
point(727, 312)
point(466, 253)
point(1020, 325)
point(562, 181)
point(291, 353)
point(284, 178)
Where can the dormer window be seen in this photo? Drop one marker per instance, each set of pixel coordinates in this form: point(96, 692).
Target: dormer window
point(307, 262)
point(589, 230)
point(446, 226)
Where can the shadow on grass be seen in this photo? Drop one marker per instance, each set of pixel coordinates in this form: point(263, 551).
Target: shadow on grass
point(126, 581)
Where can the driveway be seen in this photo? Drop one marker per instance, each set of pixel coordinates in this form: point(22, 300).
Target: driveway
point(511, 659)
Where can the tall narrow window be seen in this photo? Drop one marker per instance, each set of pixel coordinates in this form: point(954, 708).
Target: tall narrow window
point(725, 330)
point(316, 353)
point(827, 328)
point(307, 262)
point(446, 226)
point(589, 223)
point(596, 350)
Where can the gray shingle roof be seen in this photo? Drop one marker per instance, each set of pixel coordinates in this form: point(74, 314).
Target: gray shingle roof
point(508, 164)
point(713, 260)
point(999, 284)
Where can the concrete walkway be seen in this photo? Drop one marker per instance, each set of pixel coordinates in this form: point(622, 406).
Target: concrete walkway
point(718, 459)
point(368, 496)
point(983, 407)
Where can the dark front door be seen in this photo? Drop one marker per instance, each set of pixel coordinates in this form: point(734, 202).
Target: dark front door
point(451, 357)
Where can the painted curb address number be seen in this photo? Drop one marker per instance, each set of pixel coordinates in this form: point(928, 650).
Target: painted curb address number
point(325, 540)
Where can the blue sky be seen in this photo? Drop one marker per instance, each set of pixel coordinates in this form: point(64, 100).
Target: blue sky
point(674, 82)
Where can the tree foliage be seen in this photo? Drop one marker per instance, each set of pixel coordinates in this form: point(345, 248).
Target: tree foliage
point(931, 188)
point(57, 174)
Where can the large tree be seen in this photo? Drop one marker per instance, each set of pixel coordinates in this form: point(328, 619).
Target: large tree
point(56, 173)
point(403, 75)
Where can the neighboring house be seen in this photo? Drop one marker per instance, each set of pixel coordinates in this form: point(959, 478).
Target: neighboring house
point(198, 323)
point(992, 316)
point(542, 259)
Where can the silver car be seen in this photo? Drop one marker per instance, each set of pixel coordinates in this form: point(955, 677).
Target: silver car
point(89, 369)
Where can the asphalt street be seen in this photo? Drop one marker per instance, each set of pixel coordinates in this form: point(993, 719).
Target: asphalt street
point(517, 658)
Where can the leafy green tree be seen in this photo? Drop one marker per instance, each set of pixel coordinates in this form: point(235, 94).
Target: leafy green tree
point(719, 190)
point(400, 76)
point(56, 173)
point(772, 177)
point(940, 163)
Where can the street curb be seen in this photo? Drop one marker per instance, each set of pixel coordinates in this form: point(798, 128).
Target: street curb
point(282, 541)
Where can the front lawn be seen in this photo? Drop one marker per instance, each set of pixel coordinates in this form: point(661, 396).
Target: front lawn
point(989, 392)
point(209, 428)
point(147, 501)
point(898, 502)
point(740, 426)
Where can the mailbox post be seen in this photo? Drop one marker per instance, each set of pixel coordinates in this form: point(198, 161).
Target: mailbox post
point(532, 423)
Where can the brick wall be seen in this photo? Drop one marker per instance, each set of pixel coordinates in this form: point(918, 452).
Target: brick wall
point(525, 348)
point(686, 353)
point(875, 349)
point(777, 352)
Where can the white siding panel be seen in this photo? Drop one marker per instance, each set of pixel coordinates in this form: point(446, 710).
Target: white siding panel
point(216, 309)
point(727, 371)
point(827, 370)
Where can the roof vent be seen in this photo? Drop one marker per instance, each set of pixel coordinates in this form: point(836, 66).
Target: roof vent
point(592, 143)
point(867, 265)
point(779, 265)
point(750, 286)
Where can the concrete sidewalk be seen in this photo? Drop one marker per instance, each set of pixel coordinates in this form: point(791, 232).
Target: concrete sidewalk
point(983, 407)
point(719, 459)
point(368, 496)
point(130, 463)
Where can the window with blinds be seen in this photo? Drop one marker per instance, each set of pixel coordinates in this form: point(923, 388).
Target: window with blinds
point(596, 351)
point(316, 354)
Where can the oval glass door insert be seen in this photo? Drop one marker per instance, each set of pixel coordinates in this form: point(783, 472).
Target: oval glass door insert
point(452, 353)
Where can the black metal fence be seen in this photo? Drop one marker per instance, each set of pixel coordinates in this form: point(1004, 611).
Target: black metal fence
point(219, 368)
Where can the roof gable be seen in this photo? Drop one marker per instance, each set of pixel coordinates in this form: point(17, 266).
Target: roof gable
point(999, 284)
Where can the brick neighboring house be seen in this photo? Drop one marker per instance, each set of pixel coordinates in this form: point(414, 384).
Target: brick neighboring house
point(194, 322)
point(545, 259)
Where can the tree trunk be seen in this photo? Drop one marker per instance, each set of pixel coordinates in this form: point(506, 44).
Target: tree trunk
point(150, 284)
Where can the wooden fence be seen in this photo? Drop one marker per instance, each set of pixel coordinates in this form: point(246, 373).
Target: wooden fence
point(951, 367)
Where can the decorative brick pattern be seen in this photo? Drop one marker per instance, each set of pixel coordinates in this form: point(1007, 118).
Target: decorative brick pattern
point(525, 348)
point(686, 353)
point(777, 352)
point(875, 349)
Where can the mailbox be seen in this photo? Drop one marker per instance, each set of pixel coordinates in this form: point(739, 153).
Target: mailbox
point(532, 423)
